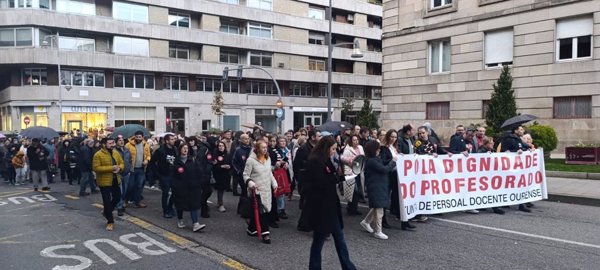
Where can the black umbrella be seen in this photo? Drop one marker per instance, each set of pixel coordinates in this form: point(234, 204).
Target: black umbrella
point(39, 132)
point(129, 130)
point(518, 120)
point(335, 127)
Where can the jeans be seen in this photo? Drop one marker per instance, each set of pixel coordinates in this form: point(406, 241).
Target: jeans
point(38, 175)
point(124, 188)
point(111, 196)
point(20, 175)
point(193, 215)
point(340, 247)
point(281, 204)
point(87, 178)
point(166, 200)
point(136, 184)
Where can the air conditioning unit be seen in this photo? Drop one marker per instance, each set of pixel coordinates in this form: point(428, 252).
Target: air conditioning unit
point(281, 65)
point(350, 17)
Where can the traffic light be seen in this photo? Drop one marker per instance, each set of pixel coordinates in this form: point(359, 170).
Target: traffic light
point(168, 121)
point(239, 72)
point(225, 73)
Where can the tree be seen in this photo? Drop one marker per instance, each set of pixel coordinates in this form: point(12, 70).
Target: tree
point(366, 117)
point(217, 105)
point(502, 105)
point(347, 107)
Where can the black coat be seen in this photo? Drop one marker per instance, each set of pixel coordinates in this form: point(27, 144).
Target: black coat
point(512, 143)
point(37, 156)
point(430, 147)
point(377, 175)
point(457, 144)
point(187, 186)
point(300, 161)
point(322, 206)
point(221, 175)
point(403, 146)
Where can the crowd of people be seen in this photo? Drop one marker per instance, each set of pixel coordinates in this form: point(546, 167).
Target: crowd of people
point(315, 164)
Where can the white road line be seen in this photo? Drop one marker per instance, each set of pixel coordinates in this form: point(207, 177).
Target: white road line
point(519, 233)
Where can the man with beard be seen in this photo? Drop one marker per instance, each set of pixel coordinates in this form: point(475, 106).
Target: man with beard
point(299, 167)
point(37, 156)
point(162, 164)
point(511, 142)
point(107, 164)
point(140, 156)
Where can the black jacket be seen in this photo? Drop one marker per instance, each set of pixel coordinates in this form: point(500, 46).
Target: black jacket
point(403, 146)
point(322, 202)
point(242, 153)
point(430, 147)
point(512, 143)
point(162, 160)
point(299, 164)
point(457, 144)
point(187, 184)
point(86, 155)
point(37, 156)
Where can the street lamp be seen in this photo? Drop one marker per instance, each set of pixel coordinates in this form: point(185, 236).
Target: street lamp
point(279, 103)
point(356, 53)
point(49, 40)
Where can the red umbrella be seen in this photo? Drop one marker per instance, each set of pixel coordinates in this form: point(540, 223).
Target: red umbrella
point(256, 213)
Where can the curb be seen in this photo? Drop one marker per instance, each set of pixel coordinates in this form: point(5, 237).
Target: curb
point(574, 200)
point(577, 175)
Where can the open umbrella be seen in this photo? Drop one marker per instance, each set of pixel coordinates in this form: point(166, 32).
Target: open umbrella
point(129, 130)
point(163, 134)
point(39, 133)
point(335, 127)
point(518, 120)
point(252, 126)
point(256, 209)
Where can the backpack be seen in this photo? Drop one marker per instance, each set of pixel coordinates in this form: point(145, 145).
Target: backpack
point(72, 157)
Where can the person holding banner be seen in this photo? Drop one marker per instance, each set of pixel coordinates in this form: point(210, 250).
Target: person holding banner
point(512, 142)
point(427, 145)
point(388, 154)
point(487, 146)
point(377, 175)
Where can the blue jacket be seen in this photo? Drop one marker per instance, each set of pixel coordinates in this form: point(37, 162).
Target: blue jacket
point(457, 144)
point(85, 158)
point(242, 153)
point(125, 155)
point(377, 182)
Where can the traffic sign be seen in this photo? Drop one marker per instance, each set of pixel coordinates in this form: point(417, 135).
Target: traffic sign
point(279, 113)
point(26, 120)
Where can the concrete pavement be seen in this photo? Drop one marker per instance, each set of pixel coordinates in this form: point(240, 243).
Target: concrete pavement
point(572, 190)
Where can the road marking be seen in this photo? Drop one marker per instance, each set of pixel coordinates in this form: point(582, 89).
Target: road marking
point(37, 242)
point(71, 197)
point(519, 233)
point(14, 194)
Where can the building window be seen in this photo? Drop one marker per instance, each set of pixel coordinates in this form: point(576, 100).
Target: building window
point(34, 76)
point(315, 64)
point(179, 20)
point(264, 59)
point(206, 125)
point(499, 48)
point(260, 30)
point(322, 90)
point(177, 83)
point(301, 89)
point(440, 3)
point(261, 87)
point(233, 2)
point(44, 4)
point(130, 46)
point(82, 78)
point(229, 28)
point(573, 107)
point(574, 38)
point(77, 44)
point(439, 56)
point(78, 7)
point(135, 115)
point(16, 37)
point(133, 80)
point(262, 4)
point(229, 56)
point(437, 111)
point(316, 38)
point(356, 92)
point(130, 12)
point(376, 93)
point(213, 84)
point(316, 12)
point(179, 52)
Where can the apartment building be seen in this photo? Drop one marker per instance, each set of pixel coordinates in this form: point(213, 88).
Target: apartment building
point(158, 63)
point(441, 58)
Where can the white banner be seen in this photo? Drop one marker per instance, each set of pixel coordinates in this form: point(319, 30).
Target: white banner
point(433, 185)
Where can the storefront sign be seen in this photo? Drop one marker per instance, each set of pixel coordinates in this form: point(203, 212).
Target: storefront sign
point(40, 109)
point(309, 109)
point(84, 109)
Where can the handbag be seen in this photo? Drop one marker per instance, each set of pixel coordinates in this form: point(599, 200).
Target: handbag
point(283, 182)
point(246, 210)
point(348, 187)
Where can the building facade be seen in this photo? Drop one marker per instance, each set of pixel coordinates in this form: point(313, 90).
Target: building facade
point(441, 58)
point(158, 63)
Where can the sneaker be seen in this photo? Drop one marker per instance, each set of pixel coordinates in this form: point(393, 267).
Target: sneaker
point(120, 212)
point(380, 235)
point(198, 226)
point(366, 226)
point(420, 218)
point(45, 188)
point(222, 209)
point(110, 226)
point(168, 215)
point(180, 224)
point(283, 215)
point(473, 211)
point(139, 205)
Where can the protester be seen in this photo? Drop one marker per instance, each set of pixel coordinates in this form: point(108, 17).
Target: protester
point(259, 178)
point(107, 164)
point(351, 151)
point(85, 166)
point(428, 145)
point(299, 167)
point(204, 159)
point(487, 146)
point(18, 162)
point(377, 175)
point(283, 158)
point(187, 187)
point(162, 164)
point(140, 156)
point(323, 210)
point(37, 156)
point(125, 174)
point(511, 142)
point(221, 172)
point(479, 135)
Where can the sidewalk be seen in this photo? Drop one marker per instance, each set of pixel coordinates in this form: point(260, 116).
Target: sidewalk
point(578, 191)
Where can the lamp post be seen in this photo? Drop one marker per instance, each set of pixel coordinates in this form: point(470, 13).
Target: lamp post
point(356, 53)
point(53, 39)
